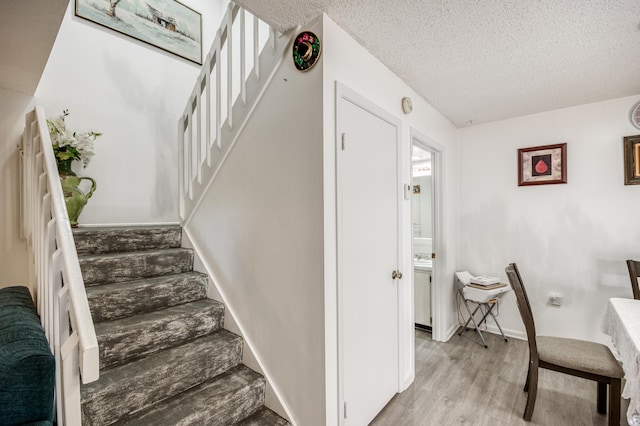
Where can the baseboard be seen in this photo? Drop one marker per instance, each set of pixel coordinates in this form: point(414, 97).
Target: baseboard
point(451, 331)
point(492, 329)
point(515, 334)
point(408, 381)
point(423, 327)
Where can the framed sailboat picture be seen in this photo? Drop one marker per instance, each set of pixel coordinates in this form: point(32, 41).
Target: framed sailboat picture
point(166, 24)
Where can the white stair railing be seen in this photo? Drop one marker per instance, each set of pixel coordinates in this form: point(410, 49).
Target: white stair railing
point(223, 99)
point(60, 294)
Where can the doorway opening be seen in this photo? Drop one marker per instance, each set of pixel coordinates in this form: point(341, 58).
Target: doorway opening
point(422, 233)
point(428, 240)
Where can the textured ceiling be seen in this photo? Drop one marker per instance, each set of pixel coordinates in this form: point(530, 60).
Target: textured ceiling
point(480, 61)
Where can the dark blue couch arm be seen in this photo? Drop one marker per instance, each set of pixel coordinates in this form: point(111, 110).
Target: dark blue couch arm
point(27, 367)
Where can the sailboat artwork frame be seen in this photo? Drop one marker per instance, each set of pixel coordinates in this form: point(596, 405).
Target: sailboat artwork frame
point(542, 165)
point(165, 24)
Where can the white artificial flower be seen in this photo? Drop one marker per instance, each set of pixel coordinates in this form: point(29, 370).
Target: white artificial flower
point(62, 137)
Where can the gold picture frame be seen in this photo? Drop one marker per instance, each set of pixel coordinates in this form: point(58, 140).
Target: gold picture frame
point(631, 146)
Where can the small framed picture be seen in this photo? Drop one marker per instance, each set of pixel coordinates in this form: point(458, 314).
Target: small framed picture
point(542, 165)
point(632, 160)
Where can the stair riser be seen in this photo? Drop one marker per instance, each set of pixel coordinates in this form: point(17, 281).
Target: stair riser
point(113, 302)
point(231, 404)
point(135, 266)
point(121, 345)
point(174, 372)
point(235, 407)
point(126, 239)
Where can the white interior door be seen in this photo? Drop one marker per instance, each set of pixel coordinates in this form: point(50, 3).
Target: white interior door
point(368, 247)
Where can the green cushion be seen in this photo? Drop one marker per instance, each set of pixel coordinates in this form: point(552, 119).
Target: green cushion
point(580, 355)
point(27, 366)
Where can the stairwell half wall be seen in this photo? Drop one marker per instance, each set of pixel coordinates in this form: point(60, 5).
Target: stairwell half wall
point(259, 229)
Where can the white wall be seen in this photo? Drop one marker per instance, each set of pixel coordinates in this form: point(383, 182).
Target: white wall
point(347, 62)
point(422, 226)
point(134, 93)
point(259, 228)
point(569, 238)
point(13, 250)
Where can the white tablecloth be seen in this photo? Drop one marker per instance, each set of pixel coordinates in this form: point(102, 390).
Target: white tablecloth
point(621, 321)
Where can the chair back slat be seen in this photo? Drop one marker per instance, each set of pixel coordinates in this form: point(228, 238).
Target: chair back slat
point(634, 273)
point(523, 306)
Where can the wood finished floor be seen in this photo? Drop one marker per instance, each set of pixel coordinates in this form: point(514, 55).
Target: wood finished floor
point(462, 383)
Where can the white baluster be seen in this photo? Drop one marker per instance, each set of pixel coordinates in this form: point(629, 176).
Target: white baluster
point(243, 81)
point(230, 66)
point(190, 153)
point(49, 295)
point(56, 284)
point(218, 51)
point(181, 168)
point(272, 37)
point(198, 142)
point(44, 249)
point(256, 46)
point(71, 380)
point(207, 88)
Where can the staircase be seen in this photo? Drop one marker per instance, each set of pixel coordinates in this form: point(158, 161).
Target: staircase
point(164, 357)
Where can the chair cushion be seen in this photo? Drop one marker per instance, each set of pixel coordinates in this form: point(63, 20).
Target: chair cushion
point(580, 355)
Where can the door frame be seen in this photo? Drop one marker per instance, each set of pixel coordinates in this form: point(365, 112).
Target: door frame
point(405, 285)
point(439, 301)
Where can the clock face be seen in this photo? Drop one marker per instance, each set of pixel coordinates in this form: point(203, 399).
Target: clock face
point(306, 50)
point(635, 115)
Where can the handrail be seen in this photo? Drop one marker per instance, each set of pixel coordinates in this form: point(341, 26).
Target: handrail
point(208, 128)
point(60, 293)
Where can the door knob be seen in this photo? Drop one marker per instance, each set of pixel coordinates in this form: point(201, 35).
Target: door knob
point(396, 275)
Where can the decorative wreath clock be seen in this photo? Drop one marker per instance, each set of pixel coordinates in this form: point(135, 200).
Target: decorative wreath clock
point(306, 50)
